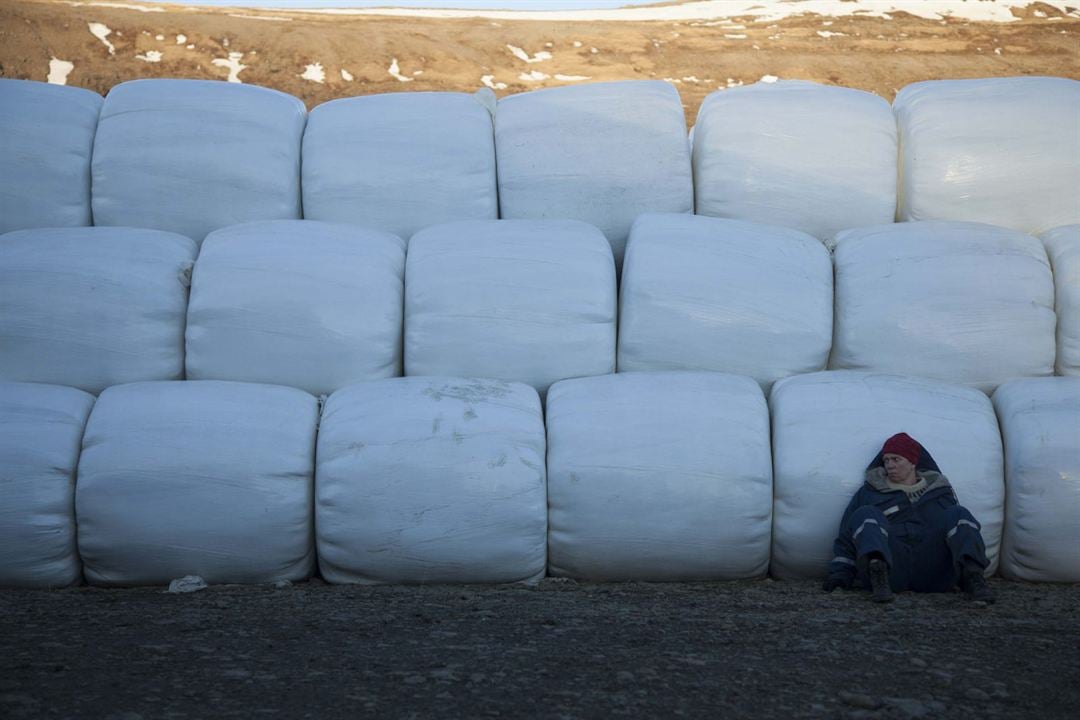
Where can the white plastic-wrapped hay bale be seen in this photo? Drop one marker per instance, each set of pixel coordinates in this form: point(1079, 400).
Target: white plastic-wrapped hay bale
point(41, 428)
point(827, 427)
point(602, 152)
point(812, 157)
point(400, 162)
point(968, 151)
point(197, 478)
point(518, 300)
point(959, 302)
point(296, 302)
point(1063, 247)
point(1040, 424)
point(659, 476)
point(93, 307)
point(46, 135)
point(702, 293)
point(424, 480)
point(192, 156)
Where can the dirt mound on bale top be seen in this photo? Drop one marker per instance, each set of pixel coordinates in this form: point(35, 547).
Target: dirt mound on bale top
point(321, 57)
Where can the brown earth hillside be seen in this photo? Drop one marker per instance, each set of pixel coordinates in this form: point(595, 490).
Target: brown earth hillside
point(292, 51)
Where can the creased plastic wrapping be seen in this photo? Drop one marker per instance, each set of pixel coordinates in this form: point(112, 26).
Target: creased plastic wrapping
point(1063, 247)
point(704, 293)
point(295, 302)
point(1040, 424)
point(400, 162)
point(811, 157)
point(531, 301)
point(959, 302)
point(1000, 151)
point(827, 427)
point(197, 478)
point(192, 156)
point(659, 476)
point(93, 307)
point(424, 480)
point(46, 135)
point(603, 153)
point(41, 428)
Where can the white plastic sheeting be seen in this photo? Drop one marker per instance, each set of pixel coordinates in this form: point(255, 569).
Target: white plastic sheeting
point(1063, 246)
point(197, 478)
point(41, 428)
point(400, 162)
point(518, 300)
point(93, 307)
point(432, 480)
point(1040, 424)
point(816, 158)
point(959, 302)
point(969, 151)
point(192, 156)
point(827, 427)
point(46, 135)
point(703, 293)
point(659, 476)
point(297, 302)
point(602, 152)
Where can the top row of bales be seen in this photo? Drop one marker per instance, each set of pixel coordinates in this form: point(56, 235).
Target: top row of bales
point(192, 156)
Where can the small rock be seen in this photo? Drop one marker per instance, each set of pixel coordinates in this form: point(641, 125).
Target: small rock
point(187, 584)
point(976, 694)
point(282, 584)
point(859, 700)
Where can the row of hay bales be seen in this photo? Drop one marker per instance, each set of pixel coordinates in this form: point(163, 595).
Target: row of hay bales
point(193, 156)
point(575, 471)
point(632, 476)
point(319, 306)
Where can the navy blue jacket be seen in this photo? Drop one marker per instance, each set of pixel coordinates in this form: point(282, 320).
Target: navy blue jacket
point(917, 531)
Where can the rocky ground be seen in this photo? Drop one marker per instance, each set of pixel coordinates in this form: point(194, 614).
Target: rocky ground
point(557, 650)
point(320, 57)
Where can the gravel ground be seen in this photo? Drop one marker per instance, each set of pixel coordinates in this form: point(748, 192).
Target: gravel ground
point(556, 650)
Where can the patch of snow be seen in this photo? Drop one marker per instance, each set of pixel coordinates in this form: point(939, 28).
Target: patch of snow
point(417, 72)
point(395, 71)
point(59, 70)
point(549, 45)
point(997, 11)
point(158, 37)
point(314, 72)
point(735, 37)
point(732, 83)
point(691, 79)
point(232, 63)
point(997, 51)
point(593, 50)
point(225, 42)
point(522, 55)
point(572, 78)
point(190, 47)
point(489, 82)
point(577, 43)
point(101, 32)
point(187, 584)
point(122, 6)
point(150, 56)
point(768, 79)
point(181, 39)
point(346, 75)
point(534, 76)
point(828, 34)
point(674, 81)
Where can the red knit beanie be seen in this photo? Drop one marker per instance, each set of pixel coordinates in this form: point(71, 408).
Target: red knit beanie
point(903, 445)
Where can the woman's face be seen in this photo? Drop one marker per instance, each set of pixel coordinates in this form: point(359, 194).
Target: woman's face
point(899, 469)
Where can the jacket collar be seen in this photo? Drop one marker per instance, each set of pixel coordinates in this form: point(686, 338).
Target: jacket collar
point(877, 478)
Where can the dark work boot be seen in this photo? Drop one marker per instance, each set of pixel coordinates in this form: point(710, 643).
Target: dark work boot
point(974, 584)
point(879, 582)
